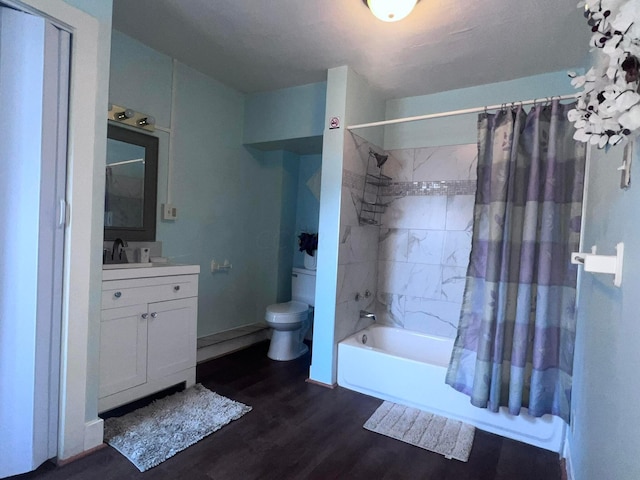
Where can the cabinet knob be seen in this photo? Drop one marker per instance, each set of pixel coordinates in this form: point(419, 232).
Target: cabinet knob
point(176, 288)
point(144, 316)
point(154, 315)
point(117, 294)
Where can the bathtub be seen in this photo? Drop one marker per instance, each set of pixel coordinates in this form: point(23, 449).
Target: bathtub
point(409, 368)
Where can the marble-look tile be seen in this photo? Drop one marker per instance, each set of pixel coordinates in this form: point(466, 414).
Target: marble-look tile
point(460, 212)
point(425, 246)
point(424, 281)
point(356, 153)
point(419, 280)
point(354, 279)
point(454, 162)
point(358, 244)
point(392, 244)
point(432, 316)
point(343, 246)
point(389, 309)
point(348, 319)
point(416, 212)
point(453, 283)
point(349, 206)
point(399, 165)
point(393, 277)
point(347, 315)
point(457, 248)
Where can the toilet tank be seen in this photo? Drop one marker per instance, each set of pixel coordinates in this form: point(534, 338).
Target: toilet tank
point(303, 286)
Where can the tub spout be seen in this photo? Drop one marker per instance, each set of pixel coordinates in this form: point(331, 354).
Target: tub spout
point(365, 314)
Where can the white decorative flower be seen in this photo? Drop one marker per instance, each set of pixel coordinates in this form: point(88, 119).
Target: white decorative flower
point(630, 119)
point(608, 107)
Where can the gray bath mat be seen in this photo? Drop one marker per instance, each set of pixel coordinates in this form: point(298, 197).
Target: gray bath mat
point(150, 435)
point(450, 438)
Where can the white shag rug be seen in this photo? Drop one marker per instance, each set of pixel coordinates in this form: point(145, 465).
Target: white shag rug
point(450, 438)
point(150, 435)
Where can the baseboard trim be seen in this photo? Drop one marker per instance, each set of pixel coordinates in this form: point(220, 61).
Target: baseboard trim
point(93, 433)
point(62, 462)
point(321, 384)
point(232, 344)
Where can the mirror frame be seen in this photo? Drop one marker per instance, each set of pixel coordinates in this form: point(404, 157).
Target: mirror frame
point(146, 233)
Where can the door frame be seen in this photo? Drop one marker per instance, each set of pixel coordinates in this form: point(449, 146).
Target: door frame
point(80, 429)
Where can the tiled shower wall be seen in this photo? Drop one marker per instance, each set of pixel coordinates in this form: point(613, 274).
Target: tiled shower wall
point(358, 253)
point(425, 238)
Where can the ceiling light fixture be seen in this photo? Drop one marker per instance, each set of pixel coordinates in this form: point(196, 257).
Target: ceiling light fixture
point(390, 10)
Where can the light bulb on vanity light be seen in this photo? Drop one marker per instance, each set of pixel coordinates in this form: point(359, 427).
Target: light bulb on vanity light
point(391, 10)
point(143, 122)
point(128, 113)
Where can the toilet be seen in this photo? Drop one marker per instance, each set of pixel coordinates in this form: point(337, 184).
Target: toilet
point(290, 321)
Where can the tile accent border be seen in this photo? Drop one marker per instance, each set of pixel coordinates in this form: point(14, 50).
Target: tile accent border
point(431, 188)
point(406, 189)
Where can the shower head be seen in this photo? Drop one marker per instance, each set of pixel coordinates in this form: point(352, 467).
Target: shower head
point(380, 159)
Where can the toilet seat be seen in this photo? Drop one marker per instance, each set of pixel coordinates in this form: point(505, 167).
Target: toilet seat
point(288, 312)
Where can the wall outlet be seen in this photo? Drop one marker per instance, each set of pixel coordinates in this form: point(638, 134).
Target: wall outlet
point(169, 212)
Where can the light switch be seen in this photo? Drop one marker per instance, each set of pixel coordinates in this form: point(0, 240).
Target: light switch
point(169, 212)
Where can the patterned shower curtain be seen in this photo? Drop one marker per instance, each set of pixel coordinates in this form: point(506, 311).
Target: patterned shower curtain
point(516, 333)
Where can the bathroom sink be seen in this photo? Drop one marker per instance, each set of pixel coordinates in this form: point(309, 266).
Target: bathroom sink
point(113, 266)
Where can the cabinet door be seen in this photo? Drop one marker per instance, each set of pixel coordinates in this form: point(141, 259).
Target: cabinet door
point(172, 336)
point(123, 348)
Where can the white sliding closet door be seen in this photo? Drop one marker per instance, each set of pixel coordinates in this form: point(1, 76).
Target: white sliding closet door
point(34, 85)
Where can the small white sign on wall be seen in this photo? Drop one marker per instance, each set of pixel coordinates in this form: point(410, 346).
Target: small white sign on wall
point(334, 123)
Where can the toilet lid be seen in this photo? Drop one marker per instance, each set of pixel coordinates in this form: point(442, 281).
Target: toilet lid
point(287, 312)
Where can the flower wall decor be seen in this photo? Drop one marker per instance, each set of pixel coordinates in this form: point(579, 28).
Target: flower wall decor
point(608, 108)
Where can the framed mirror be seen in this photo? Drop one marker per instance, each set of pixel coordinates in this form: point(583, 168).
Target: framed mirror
point(131, 185)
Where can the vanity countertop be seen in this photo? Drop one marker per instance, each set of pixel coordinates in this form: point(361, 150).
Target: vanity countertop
point(156, 270)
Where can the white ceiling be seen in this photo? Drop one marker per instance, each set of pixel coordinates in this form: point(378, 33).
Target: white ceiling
point(262, 45)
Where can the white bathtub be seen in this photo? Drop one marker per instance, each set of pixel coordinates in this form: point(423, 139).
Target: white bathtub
point(409, 367)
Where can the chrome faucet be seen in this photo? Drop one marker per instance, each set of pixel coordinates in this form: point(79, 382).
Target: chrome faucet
point(118, 246)
point(365, 314)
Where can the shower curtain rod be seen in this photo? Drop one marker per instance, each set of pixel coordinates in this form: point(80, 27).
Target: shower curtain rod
point(460, 112)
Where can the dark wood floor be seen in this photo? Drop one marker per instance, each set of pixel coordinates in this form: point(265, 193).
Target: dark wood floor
point(298, 430)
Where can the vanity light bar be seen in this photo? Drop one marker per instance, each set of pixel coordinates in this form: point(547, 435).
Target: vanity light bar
point(130, 117)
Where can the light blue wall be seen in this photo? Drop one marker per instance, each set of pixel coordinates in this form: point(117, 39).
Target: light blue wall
point(606, 419)
point(140, 76)
point(290, 113)
point(328, 230)
point(462, 129)
point(289, 194)
point(354, 101)
point(100, 9)
point(307, 205)
point(229, 198)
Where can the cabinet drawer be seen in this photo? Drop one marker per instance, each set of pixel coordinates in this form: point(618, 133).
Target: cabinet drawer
point(121, 293)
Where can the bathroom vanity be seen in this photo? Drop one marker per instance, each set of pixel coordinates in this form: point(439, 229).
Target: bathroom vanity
point(147, 331)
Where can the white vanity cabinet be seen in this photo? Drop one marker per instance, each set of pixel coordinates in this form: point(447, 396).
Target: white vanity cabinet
point(147, 332)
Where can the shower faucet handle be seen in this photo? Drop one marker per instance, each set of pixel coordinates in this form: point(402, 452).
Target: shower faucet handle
point(365, 314)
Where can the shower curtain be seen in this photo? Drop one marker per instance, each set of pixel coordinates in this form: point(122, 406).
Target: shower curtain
point(516, 333)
